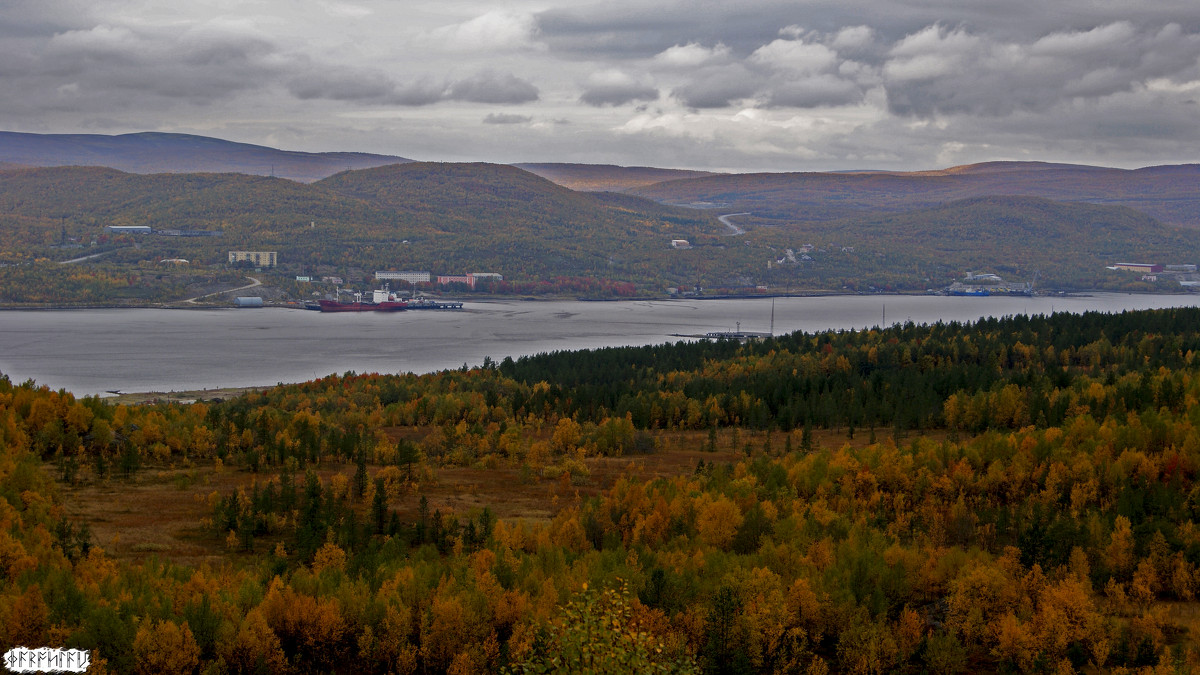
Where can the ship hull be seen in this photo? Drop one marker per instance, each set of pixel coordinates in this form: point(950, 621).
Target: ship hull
point(334, 306)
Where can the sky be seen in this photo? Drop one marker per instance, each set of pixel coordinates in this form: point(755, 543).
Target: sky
point(762, 85)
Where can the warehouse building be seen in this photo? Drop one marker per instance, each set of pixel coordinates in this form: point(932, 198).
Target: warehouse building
point(410, 277)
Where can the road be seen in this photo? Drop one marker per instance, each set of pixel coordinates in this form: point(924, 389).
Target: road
point(88, 257)
point(734, 229)
point(231, 290)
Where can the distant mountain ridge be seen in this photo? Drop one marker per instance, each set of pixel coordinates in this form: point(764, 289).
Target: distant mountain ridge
point(153, 152)
point(1168, 193)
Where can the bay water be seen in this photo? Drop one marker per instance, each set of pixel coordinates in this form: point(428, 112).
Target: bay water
point(93, 351)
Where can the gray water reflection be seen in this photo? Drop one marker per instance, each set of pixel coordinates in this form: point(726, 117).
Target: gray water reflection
point(91, 351)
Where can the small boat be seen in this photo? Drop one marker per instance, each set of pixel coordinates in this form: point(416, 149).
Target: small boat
point(971, 292)
point(427, 303)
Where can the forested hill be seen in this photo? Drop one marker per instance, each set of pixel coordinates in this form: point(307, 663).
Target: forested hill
point(442, 217)
point(178, 153)
point(497, 217)
point(1066, 244)
point(501, 200)
point(457, 218)
point(1168, 193)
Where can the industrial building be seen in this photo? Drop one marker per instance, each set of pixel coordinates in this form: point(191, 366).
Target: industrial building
point(258, 258)
point(988, 277)
point(1144, 268)
point(469, 279)
point(410, 277)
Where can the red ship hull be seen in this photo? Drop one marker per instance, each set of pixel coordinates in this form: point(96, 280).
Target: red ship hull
point(335, 306)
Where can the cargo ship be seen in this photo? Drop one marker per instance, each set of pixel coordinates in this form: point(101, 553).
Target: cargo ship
point(382, 300)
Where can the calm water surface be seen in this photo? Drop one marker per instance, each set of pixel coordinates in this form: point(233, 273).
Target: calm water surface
point(91, 351)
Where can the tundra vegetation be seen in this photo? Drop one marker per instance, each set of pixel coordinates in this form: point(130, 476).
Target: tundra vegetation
point(1015, 495)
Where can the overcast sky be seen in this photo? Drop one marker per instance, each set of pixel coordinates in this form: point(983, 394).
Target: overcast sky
point(760, 85)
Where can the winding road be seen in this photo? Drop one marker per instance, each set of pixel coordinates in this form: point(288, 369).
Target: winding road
point(734, 229)
point(231, 290)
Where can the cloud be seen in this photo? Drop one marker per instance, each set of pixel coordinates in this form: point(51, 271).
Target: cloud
point(844, 83)
point(490, 86)
point(796, 56)
point(853, 38)
point(939, 70)
point(371, 86)
point(112, 65)
point(614, 87)
point(494, 31)
point(505, 118)
point(692, 55)
point(349, 84)
point(814, 92)
point(345, 10)
point(718, 88)
point(798, 71)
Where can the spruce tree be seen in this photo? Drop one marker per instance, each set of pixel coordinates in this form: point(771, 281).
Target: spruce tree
point(379, 507)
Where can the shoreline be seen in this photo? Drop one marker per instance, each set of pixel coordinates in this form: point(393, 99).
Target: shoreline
point(1082, 293)
point(106, 361)
point(185, 397)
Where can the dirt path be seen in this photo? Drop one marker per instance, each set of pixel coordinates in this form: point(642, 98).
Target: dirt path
point(88, 257)
point(256, 281)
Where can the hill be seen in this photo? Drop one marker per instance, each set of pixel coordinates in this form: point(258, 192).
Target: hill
point(459, 218)
point(607, 177)
point(494, 217)
point(1068, 245)
point(178, 153)
point(446, 218)
point(1168, 193)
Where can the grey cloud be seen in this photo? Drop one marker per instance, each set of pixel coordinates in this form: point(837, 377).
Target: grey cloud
point(814, 92)
point(955, 71)
point(114, 65)
point(421, 92)
point(799, 71)
point(718, 87)
point(376, 88)
point(493, 87)
point(506, 118)
point(619, 31)
point(44, 19)
point(344, 84)
point(1074, 80)
point(615, 94)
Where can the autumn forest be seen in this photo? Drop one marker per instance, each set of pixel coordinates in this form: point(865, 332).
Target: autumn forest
point(1015, 495)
